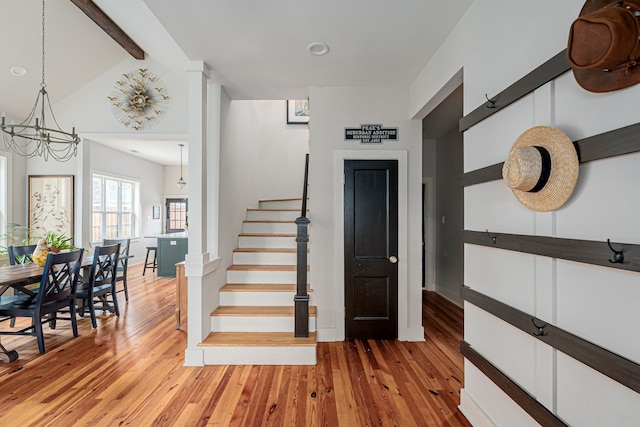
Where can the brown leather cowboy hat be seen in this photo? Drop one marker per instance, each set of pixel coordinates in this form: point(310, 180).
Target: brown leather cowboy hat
point(604, 45)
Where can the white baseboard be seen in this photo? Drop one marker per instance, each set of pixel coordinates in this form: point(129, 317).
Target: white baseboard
point(326, 335)
point(415, 334)
point(450, 296)
point(193, 357)
point(472, 411)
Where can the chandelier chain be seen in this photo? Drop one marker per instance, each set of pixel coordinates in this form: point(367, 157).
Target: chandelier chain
point(43, 84)
point(33, 137)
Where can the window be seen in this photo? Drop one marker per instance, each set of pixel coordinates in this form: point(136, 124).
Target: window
point(115, 208)
point(176, 219)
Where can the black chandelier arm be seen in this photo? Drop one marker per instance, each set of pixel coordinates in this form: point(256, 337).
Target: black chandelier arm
point(32, 137)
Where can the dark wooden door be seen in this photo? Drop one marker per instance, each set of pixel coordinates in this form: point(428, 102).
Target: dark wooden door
point(371, 248)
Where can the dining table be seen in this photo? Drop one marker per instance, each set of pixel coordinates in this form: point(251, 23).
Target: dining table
point(19, 277)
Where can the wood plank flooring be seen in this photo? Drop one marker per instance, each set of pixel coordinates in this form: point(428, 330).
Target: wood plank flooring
point(129, 372)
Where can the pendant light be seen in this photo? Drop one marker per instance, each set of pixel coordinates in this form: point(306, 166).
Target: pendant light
point(32, 137)
point(181, 182)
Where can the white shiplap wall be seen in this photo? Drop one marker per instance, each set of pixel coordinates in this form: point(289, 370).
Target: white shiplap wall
point(595, 303)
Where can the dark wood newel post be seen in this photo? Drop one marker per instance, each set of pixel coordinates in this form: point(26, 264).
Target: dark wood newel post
point(301, 299)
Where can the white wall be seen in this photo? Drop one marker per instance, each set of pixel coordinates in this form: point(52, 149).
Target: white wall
point(496, 45)
point(282, 151)
point(17, 189)
point(334, 109)
point(239, 173)
point(89, 110)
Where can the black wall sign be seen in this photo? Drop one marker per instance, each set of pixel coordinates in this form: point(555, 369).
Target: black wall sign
point(371, 134)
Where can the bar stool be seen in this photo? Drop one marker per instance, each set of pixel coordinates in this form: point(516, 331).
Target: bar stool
point(153, 264)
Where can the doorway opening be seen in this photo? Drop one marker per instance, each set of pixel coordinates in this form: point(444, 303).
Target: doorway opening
point(177, 215)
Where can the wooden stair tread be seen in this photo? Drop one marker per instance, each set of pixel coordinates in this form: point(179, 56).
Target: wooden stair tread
point(267, 221)
point(268, 234)
point(274, 210)
point(283, 200)
point(259, 311)
point(260, 287)
point(257, 339)
point(276, 250)
point(262, 267)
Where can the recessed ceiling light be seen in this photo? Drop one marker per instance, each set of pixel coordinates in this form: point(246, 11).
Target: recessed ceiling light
point(318, 49)
point(18, 71)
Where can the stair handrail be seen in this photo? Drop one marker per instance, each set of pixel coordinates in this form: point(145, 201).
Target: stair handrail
point(305, 186)
point(301, 299)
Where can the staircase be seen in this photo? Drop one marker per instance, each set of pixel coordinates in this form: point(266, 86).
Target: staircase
point(254, 324)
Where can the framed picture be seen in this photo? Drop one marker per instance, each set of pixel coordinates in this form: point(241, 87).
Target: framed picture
point(156, 212)
point(51, 205)
point(297, 111)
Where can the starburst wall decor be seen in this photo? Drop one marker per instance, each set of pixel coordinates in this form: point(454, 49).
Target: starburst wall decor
point(139, 99)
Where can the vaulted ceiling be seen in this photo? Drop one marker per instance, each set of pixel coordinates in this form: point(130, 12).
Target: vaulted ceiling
point(256, 49)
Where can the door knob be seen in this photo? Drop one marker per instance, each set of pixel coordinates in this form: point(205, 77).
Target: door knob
point(393, 259)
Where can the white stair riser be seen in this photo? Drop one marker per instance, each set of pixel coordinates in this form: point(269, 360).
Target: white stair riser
point(253, 355)
point(266, 242)
point(281, 204)
point(256, 324)
point(269, 227)
point(256, 298)
point(257, 215)
point(238, 276)
point(264, 258)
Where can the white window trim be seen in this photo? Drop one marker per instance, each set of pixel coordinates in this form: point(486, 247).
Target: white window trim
point(137, 223)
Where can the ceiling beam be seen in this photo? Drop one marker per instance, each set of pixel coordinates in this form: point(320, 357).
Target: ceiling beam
point(108, 26)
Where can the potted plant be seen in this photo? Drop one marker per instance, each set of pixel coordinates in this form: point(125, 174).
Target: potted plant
point(57, 242)
point(52, 242)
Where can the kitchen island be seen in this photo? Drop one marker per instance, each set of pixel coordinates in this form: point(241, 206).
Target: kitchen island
point(172, 248)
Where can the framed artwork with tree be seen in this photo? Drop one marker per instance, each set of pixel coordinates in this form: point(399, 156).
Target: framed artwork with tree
point(51, 205)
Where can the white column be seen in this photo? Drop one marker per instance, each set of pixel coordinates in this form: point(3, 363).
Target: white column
point(213, 160)
point(197, 258)
point(197, 178)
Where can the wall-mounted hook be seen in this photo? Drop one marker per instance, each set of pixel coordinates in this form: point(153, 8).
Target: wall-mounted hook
point(492, 236)
point(618, 256)
point(540, 329)
point(491, 102)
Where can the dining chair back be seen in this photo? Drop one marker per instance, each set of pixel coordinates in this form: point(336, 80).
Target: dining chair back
point(20, 254)
point(98, 290)
point(123, 261)
point(57, 292)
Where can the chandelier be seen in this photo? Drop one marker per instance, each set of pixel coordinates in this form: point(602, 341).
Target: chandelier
point(181, 182)
point(32, 137)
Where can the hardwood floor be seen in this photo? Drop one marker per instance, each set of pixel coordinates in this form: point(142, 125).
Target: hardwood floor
point(128, 372)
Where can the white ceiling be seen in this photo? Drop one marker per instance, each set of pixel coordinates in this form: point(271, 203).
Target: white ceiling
point(256, 49)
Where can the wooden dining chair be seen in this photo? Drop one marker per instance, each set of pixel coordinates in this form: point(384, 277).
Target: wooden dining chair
point(123, 261)
point(57, 292)
point(98, 290)
point(20, 254)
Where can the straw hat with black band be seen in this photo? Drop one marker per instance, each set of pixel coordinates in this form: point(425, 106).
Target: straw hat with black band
point(604, 45)
point(542, 168)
